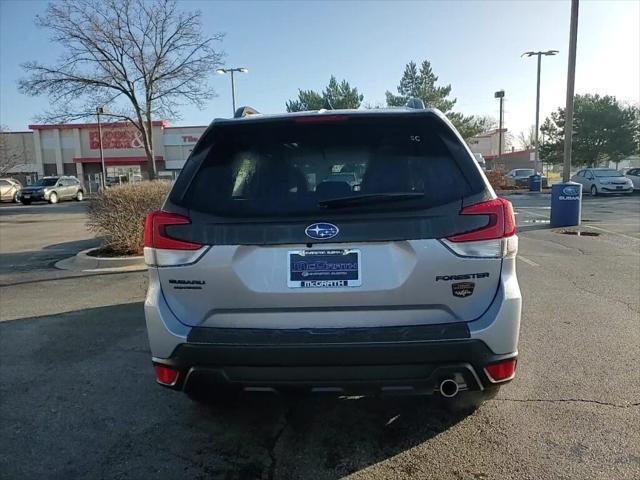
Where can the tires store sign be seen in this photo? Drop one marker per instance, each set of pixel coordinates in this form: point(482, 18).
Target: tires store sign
point(116, 139)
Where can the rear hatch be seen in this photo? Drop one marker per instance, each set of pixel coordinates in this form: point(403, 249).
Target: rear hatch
point(329, 221)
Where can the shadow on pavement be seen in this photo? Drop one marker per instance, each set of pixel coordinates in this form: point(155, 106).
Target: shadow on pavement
point(75, 245)
point(79, 401)
point(13, 262)
point(8, 209)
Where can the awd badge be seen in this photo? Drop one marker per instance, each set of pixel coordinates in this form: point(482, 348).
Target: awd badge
point(462, 289)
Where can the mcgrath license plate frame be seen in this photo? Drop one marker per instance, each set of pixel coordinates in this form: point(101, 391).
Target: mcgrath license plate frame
point(326, 268)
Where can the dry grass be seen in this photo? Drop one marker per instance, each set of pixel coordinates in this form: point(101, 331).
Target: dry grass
point(118, 214)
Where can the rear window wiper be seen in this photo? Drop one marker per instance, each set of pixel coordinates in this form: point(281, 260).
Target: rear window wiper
point(369, 198)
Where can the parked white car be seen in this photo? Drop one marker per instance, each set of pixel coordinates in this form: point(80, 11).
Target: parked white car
point(633, 174)
point(599, 181)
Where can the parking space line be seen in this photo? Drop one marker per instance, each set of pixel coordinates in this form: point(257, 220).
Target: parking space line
point(613, 233)
point(536, 214)
point(527, 261)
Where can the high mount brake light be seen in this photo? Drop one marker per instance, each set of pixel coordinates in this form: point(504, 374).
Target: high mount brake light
point(502, 221)
point(155, 235)
point(320, 118)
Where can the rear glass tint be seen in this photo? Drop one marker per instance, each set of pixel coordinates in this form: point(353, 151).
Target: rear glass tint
point(287, 167)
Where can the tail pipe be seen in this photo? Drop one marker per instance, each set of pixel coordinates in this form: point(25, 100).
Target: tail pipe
point(448, 388)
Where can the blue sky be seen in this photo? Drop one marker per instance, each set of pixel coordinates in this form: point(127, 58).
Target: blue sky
point(473, 45)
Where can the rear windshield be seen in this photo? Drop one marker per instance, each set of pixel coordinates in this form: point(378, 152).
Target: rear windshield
point(298, 167)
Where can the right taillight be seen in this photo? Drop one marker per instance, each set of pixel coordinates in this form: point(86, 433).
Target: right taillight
point(496, 239)
point(160, 249)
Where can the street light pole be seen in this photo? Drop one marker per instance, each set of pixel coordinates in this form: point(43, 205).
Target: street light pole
point(231, 71)
point(536, 144)
point(500, 95)
point(101, 110)
point(233, 92)
point(571, 81)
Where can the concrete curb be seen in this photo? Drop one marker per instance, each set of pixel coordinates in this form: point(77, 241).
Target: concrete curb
point(82, 262)
point(522, 192)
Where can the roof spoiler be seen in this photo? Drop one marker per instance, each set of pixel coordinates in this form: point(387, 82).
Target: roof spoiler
point(415, 103)
point(245, 112)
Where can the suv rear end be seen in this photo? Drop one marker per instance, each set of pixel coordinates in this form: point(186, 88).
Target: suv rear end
point(269, 272)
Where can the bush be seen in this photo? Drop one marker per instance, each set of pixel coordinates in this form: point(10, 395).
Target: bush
point(496, 179)
point(118, 214)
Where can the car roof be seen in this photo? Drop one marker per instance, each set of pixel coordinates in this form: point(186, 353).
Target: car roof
point(323, 112)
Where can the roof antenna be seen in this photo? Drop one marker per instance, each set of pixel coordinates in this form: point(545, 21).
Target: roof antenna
point(245, 112)
point(415, 103)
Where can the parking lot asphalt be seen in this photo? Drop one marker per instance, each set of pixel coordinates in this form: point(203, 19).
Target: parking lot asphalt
point(78, 399)
point(34, 237)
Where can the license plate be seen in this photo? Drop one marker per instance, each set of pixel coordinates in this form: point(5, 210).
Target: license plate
point(26, 195)
point(323, 269)
point(619, 187)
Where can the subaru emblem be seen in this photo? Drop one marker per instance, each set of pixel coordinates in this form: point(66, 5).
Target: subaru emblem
point(570, 190)
point(321, 231)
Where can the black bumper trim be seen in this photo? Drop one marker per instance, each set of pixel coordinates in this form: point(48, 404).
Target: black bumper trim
point(414, 363)
point(316, 336)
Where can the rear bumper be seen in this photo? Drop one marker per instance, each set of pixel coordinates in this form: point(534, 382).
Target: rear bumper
point(413, 358)
point(304, 361)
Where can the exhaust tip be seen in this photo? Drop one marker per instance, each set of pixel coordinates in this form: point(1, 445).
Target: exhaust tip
point(449, 388)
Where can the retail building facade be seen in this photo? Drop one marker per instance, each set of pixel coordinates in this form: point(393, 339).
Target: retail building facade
point(74, 149)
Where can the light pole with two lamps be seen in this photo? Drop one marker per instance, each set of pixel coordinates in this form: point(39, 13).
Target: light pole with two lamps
point(539, 55)
point(101, 111)
point(222, 71)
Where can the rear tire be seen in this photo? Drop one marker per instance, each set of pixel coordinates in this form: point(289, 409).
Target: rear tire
point(16, 197)
point(79, 196)
point(53, 198)
point(594, 191)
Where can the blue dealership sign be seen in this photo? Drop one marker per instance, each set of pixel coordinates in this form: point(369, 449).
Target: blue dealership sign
point(566, 204)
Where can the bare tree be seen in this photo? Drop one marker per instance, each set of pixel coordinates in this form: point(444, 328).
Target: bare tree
point(10, 156)
point(141, 59)
point(527, 138)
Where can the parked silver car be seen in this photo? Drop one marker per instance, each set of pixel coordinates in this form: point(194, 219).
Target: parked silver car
point(53, 190)
point(262, 277)
point(9, 190)
point(598, 181)
point(633, 174)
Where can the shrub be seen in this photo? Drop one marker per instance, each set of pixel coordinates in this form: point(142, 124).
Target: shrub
point(118, 214)
point(496, 179)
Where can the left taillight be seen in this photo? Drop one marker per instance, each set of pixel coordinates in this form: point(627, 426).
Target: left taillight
point(160, 248)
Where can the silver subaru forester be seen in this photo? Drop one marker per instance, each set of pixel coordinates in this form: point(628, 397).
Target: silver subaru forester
point(355, 252)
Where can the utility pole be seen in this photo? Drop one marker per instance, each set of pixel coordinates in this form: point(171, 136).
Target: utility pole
point(539, 55)
point(500, 95)
point(99, 111)
point(571, 80)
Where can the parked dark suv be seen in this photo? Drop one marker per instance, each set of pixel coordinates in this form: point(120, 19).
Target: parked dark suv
point(52, 190)
point(267, 271)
